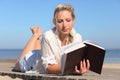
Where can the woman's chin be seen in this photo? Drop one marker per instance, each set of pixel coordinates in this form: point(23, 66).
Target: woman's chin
point(65, 33)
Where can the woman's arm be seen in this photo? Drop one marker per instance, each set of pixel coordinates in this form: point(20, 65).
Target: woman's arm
point(49, 59)
point(53, 68)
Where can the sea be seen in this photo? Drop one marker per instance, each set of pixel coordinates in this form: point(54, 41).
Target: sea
point(111, 55)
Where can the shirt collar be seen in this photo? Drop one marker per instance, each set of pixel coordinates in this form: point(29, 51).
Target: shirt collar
point(72, 33)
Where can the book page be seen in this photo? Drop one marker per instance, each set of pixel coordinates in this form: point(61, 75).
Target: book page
point(93, 43)
point(72, 47)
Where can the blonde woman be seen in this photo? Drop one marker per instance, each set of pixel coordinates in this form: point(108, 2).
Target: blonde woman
point(49, 53)
point(61, 35)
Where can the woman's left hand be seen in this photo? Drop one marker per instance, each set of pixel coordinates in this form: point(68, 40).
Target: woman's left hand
point(84, 67)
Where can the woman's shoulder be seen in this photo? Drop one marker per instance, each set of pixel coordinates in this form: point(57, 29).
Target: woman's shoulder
point(49, 34)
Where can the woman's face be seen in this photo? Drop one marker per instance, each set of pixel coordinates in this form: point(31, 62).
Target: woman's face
point(64, 22)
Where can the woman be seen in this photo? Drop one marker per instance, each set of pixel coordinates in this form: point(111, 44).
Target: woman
point(62, 34)
point(52, 41)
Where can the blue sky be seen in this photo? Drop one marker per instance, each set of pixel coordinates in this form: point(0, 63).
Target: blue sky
point(96, 20)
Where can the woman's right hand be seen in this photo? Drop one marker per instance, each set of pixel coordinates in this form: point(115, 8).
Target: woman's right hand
point(84, 67)
point(37, 31)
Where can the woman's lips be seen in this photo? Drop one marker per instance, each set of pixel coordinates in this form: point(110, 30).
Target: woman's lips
point(65, 30)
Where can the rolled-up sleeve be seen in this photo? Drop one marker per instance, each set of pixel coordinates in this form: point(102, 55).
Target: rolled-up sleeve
point(47, 54)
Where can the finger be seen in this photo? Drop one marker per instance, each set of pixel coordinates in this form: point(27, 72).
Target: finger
point(81, 65)
point(40, 31)
point(88, 64)
point(37, 29)
point(33, 29)
point(84, 64)
point(76, 69)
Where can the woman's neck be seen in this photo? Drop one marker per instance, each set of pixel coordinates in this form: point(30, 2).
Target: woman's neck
point(63, 39)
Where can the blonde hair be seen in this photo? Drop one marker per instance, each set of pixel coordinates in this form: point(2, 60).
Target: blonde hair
point(62, 7)
point(69, 8)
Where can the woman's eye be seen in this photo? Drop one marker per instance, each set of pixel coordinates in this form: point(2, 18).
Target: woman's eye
point(68, 20)
point(59, 21)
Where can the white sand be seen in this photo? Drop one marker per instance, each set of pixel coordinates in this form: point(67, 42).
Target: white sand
point(112, 65)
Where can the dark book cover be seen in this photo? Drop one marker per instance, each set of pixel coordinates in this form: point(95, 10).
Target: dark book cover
point(94, 53)
point(73, 59)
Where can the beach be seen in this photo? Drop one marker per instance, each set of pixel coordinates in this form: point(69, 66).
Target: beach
point(6, 66)
point(110, 71)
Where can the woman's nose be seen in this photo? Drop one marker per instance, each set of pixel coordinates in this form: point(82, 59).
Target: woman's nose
point(64, 23)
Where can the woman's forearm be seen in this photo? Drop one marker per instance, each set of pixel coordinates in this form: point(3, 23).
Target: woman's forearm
point(53, 68)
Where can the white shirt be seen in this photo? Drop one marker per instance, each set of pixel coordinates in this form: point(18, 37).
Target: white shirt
point(51, 48)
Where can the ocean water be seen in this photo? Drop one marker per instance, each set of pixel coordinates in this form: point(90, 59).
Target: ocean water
point(111, 56)
point(10, 53)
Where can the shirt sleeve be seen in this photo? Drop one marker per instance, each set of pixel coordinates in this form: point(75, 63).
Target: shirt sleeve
point(47, 53)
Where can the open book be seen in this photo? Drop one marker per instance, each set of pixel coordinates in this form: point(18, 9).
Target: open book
point(76, 52)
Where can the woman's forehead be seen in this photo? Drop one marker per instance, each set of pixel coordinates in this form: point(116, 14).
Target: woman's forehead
point(64, 14)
